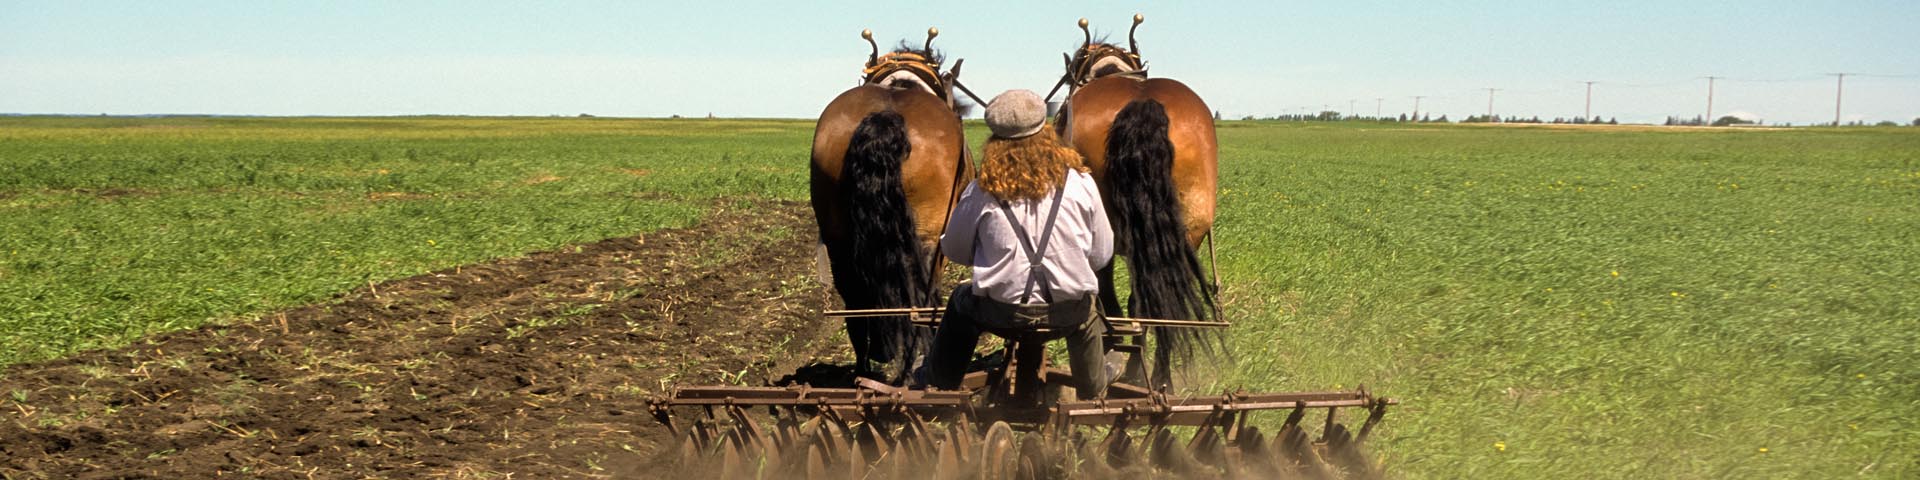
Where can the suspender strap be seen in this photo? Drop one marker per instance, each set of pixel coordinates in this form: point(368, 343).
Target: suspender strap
point(1036, 271)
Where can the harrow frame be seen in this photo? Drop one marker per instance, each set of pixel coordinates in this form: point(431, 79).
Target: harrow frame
point(848, 424)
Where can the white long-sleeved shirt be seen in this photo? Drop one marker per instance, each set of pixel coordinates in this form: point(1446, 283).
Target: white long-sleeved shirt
point(979, 236)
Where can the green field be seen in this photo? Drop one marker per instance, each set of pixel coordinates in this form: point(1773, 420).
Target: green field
point(115, 228)
point(1547, 302)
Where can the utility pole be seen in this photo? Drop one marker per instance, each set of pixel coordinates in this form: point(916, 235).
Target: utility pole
point(1490, 102)
point(1709, 119)
point(1376, 106)
point(1840, 84)
point(1416, 107)
point(1589, 114)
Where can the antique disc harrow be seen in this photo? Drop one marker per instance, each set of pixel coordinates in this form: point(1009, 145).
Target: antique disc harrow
point(1008, 422)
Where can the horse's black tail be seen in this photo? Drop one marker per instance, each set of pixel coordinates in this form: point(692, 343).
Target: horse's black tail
point(1149, 230)
point(881, 265)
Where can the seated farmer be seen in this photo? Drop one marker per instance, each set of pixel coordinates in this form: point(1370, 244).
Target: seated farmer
point(1033, 229)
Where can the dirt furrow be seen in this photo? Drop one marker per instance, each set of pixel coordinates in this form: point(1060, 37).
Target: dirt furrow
point(537, 366)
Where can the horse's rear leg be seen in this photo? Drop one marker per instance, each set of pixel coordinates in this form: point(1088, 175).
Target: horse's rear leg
point(858, 335)
point(1109, 298)
point(1135, 372)
point(1162, 365)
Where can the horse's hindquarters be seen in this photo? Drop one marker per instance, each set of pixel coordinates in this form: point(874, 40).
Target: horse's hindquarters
point(883, 173)
point(1151, 147)
point(1190, 129)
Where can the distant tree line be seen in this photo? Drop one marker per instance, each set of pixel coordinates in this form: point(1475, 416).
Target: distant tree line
point(1671, 121)
point(1333, 116)
point(1556, 120)
point(1723, 121)
point(1698, 121)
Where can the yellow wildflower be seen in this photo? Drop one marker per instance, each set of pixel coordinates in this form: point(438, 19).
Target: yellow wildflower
point(1763, 449)
point(1616, 273)
point(1500, 446)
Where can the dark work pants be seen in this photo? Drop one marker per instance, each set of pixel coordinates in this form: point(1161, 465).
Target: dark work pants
point(968, 315)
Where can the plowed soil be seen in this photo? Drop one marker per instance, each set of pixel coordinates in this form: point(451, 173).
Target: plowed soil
point(532, 367)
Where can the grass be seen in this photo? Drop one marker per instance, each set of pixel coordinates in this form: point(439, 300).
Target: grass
point(1547, 302)
point(1610, 302)
point(116, 228)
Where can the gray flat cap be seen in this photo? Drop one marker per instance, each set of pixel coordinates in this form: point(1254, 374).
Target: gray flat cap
point(1016, 114)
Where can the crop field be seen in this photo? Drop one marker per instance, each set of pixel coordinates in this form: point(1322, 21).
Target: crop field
point(121, 227)
point(476, 297)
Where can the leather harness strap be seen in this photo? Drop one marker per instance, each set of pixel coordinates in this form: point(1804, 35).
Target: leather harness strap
point(920, 66)
point(1036, 270)
point(953, 194)
point(1081, 72)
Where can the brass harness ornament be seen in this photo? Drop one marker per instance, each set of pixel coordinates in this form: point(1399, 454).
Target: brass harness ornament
point(883, 65)
point(1080, 65)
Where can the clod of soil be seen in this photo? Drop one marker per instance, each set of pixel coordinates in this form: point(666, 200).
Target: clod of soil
point(537, 367)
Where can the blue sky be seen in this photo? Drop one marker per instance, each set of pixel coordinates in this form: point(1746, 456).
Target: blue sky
point(787, 59)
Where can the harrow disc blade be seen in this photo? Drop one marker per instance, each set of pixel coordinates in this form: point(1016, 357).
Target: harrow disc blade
point(786, 436)
point(1120, 450)
point(1093, 460)
point(1252, 456)
point(1167, 453)
point(1296, 452)
point(816, 462)
point(997, 455)
point(856, 463)
point(873, 444)
point(965, 448)
point(696, 445)
point(732, 460)
point(1038, 458)
point(854, 434)
point(1208, 450)
point(947, 465)
point(1345, 453)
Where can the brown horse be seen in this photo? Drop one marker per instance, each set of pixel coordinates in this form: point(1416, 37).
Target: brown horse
point(1150, 145)
point(889, 158)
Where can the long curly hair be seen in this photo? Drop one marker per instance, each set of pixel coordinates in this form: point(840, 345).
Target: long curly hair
point(1026, 168)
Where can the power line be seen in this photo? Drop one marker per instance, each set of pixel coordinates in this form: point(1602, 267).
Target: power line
point(1647, 85)
point(1773, 80)
point(1713, 82)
